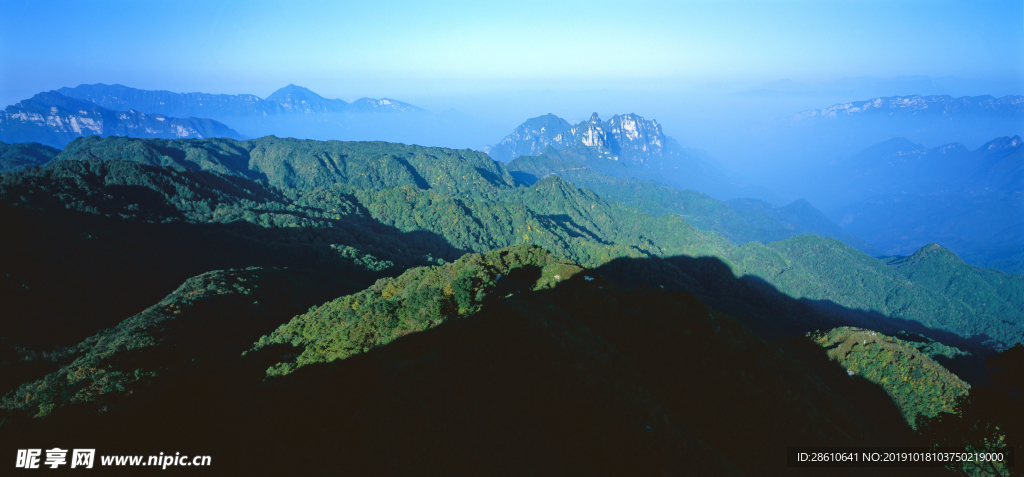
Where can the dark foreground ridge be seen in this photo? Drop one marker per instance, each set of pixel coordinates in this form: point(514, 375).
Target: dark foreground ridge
point(412, 310)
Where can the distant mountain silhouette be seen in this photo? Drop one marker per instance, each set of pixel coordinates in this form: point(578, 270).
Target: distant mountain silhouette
point(54, 120)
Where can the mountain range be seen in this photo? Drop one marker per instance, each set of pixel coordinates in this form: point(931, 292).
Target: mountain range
point(899, 195)
point(54, 120)
point(413, 309)
point(858, 192)
point(889, 199)
point(458, 201)
point(739, 220)
point(816, 136)
point(290, 99)
point(294, 111)
point(625, 145)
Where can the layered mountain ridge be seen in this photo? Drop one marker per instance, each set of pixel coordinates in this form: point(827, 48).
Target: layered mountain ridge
point(290, 99)
point(369, 301)
point(462, 198)
point(807, 139)
point(941, 105)
point(899, 196)
point(739, 220)
point(295, 111)
point(54, 120)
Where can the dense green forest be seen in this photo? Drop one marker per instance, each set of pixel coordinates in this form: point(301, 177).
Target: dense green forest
point(15, 157)
point(203, 325)
point(448, 202)
point(917, 384)
point(545, 365)
point(448, 299)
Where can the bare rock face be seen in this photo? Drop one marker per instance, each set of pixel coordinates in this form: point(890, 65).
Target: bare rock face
point(628, 137)
point(55, 120)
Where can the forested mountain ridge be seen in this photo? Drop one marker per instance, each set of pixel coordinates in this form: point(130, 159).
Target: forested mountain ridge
point(917, 384)
point(15, 157)
point(740, 221)
point(558, 306)
point(204, 325)
point(305, 164)
point(938, 268)
point(55, 120)
point(450, 202)
point(545, 331)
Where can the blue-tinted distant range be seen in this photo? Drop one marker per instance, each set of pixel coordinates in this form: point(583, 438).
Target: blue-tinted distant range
point(863, 164)
point(582, 237)
point(54, 120)
point(56, 117)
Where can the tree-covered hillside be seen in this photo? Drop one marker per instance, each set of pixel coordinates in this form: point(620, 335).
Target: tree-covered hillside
point(15, 157)
point(547, 368)
point(740, 221)
point(424, 305)
point(196, 331)
point(445, 203)
point(917, 384)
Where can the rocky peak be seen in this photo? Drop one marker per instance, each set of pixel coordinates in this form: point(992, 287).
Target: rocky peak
point(626, 137)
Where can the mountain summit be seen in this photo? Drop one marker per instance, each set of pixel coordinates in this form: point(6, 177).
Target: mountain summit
point(296, 111)
point(297, 99)
point(628, 138)
point(625, 145)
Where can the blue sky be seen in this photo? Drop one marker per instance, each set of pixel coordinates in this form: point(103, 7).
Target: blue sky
point(421, 50)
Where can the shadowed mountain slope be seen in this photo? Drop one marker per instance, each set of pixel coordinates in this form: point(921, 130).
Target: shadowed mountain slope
point(541, 375)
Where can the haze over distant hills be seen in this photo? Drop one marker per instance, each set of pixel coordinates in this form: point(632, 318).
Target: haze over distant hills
point(896, 195)
point(966, 200)
point(869, 87)
point(290, 99)
point(626, 145)
point(901, 166)
point(294, 111)
point(816, 136)
point(899, 196)
point(54, 120)
point(739, 220)
point(512, 238)
point(283, 283)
